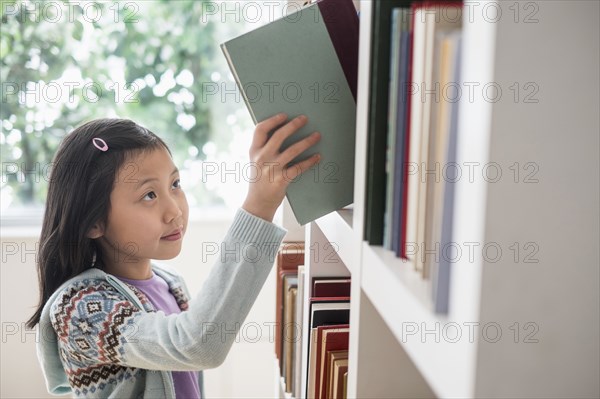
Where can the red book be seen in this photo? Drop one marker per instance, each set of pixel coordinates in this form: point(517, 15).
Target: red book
point(329, 299)
point(329, 338)
point(331, 287)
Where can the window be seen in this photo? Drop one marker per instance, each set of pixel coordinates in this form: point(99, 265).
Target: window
point(155, 62)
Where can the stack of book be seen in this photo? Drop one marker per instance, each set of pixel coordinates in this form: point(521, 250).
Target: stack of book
point(415, 88)
point(327, 326)
point(287, 333)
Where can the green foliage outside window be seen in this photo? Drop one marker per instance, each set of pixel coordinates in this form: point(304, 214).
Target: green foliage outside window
point(64, 63)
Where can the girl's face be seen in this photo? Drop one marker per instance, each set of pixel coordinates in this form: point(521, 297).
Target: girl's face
point(148, 216)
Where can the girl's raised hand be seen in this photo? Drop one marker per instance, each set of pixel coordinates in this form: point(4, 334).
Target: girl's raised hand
point(270, 177)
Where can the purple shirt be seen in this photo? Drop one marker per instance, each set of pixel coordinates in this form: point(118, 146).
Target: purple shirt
point(157, 291)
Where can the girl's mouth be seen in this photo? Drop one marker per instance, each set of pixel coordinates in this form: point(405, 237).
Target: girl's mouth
point(173, 236)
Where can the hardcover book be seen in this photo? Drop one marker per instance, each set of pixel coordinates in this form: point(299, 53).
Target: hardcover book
point(323, 312)
point(296, 388)
point(289, 257)
point(286, 329)
point(340, 366)
point(336, 361)
point(307, 63)
point(331, 287)
point(316, 362)
point(332, 339)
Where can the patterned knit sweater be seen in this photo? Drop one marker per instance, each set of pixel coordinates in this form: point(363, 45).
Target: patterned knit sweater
point(100, 337)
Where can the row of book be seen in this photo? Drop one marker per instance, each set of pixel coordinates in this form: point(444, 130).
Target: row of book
point(414, 84)
point(414, 75)
point(326, 324)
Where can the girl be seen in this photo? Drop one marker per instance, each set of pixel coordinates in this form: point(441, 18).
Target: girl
point(113, 322)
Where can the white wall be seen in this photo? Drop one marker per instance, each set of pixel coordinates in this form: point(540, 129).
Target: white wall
point(247, 372)
point(556, 289)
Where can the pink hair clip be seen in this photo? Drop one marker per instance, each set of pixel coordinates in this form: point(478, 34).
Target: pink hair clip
point(104, 146)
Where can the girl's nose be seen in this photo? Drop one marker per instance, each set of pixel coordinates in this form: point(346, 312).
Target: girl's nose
point(172, 210)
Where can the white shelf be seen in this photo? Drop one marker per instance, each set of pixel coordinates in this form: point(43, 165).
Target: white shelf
point(337, 227)
point(398, 344)
point(402, 299)
point(280, 384)
point(285, 394)
point(322, 259)
point(390, 278)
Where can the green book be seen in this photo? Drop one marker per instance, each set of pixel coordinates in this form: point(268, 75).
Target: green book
point(375, 186)
point(394, 87)
point(306, 63)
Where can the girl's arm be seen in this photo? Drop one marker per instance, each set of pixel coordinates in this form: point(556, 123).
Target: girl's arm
point(103, 327)
point(271, 176)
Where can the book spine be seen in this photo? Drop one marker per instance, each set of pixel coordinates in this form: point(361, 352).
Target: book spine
point(404, 232)
point(400, 162)
point(341, 20)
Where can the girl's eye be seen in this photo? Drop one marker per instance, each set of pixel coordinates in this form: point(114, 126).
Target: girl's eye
point(151, 192)
point(152, 195)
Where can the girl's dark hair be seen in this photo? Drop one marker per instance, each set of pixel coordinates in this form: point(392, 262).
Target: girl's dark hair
point(81, 181)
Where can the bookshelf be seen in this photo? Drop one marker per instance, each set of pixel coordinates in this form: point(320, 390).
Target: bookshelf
point(547, 311)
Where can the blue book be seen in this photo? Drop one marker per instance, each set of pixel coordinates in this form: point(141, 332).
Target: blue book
point(441, 273)
point(400, 143)
point(392, 125)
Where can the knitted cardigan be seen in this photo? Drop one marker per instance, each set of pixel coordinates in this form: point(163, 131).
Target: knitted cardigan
point(101, 337)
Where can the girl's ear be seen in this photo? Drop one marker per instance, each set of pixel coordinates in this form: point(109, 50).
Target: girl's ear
point(96, 232)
